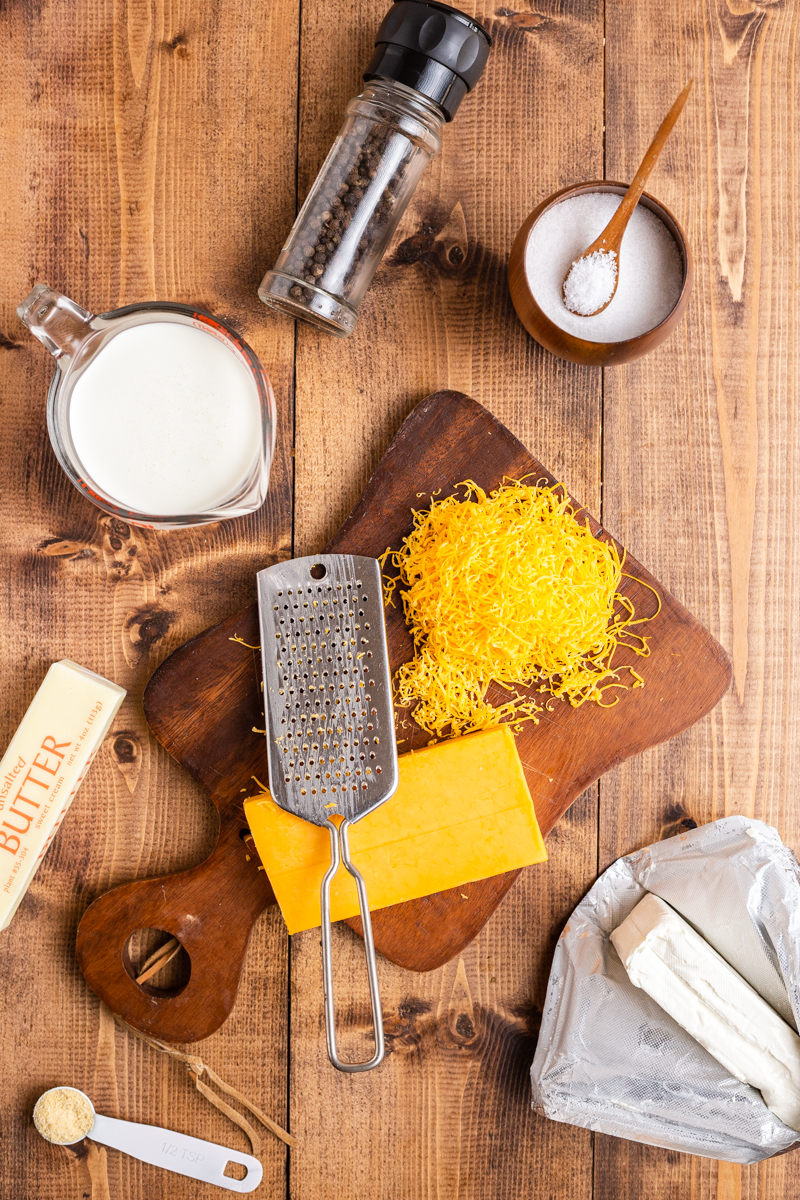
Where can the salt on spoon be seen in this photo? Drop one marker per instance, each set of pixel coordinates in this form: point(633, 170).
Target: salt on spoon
point(591, 281)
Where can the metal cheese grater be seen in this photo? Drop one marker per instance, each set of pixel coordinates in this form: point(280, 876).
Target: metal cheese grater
point(330, 725)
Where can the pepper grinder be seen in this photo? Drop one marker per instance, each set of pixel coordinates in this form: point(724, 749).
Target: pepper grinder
point(427, 57)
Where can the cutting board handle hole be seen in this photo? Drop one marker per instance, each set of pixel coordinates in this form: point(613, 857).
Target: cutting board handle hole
point(157, 962)
point(318, 571)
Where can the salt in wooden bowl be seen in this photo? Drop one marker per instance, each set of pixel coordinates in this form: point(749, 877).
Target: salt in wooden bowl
point(566, 345)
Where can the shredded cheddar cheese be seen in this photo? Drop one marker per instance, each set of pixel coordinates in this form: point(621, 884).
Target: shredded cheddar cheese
point(507, 588)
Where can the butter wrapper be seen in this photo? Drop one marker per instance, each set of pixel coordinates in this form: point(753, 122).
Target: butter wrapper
point(610, 1059)
point(43, 768)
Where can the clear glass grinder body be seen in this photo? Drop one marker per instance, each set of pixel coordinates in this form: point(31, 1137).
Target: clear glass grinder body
point(427, 57)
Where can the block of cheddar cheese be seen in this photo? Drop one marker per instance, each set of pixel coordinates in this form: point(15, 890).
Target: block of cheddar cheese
point(462, 812)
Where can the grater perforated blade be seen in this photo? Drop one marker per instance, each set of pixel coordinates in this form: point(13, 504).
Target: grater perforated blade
point(329, 719)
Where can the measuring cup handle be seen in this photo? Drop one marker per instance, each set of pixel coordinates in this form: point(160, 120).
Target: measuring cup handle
point(58, 322)
point(340, 853)
point(177, 1152)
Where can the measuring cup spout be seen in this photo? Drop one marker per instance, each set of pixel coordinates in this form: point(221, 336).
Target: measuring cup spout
point(58, 322)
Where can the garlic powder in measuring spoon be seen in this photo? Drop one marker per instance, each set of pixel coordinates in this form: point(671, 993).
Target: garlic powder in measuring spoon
point(166, 420)
point(650, 268)
point(64, 1116)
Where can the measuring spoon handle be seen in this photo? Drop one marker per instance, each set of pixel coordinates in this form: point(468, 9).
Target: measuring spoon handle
point(177, 1152)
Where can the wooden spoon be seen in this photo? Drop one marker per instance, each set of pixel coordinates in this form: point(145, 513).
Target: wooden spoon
point(610, 239)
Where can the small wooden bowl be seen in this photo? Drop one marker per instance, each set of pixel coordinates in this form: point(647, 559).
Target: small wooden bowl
point(567, 345)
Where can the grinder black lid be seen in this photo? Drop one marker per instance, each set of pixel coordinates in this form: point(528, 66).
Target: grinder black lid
point(432, 48)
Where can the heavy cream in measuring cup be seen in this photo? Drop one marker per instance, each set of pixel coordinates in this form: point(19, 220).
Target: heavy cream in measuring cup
point(166, 419)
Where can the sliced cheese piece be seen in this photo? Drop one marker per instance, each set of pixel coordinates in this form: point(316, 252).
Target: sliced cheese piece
point(462, 812)
point(678, 969)
point(43, 767)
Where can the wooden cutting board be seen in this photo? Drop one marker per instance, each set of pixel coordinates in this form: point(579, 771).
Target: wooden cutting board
point(204, 703)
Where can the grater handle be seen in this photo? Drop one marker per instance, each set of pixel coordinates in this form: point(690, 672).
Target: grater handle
point(340, 854)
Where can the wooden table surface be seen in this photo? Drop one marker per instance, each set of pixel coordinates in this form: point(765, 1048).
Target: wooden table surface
point(157, 149)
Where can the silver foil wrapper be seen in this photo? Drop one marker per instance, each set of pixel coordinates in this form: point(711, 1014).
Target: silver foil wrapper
point(609, 1058)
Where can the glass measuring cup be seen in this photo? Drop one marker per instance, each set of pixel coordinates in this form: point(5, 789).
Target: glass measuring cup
point(78, 339)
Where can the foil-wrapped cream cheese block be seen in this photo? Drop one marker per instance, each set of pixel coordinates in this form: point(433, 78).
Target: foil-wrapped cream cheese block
point(44, 766)
point(677, 968)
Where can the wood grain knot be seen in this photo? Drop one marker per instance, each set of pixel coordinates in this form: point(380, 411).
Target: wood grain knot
point(119, 548)
point(464, 1033)
point(416, 247)
point(444, 251)
point(676, 821)
point(126, 748)
point(118, 529)
point(522, 20)
point(738, 19)
point(179, 45)
point(530, 1016)
point(65, 548)
point(7, 344)
point(127, 751)
point(464, 1027)
point(409, 1028)
point(412, 1007)
point(146, 626)
point(502, 1044)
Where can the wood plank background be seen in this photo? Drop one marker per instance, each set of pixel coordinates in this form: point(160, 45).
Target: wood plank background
point(151, 150)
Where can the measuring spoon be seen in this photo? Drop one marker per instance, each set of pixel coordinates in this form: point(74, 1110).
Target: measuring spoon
point(164, 1148)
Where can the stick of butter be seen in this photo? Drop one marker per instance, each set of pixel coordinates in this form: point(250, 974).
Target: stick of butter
point(678, 969)
point(43, 768)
